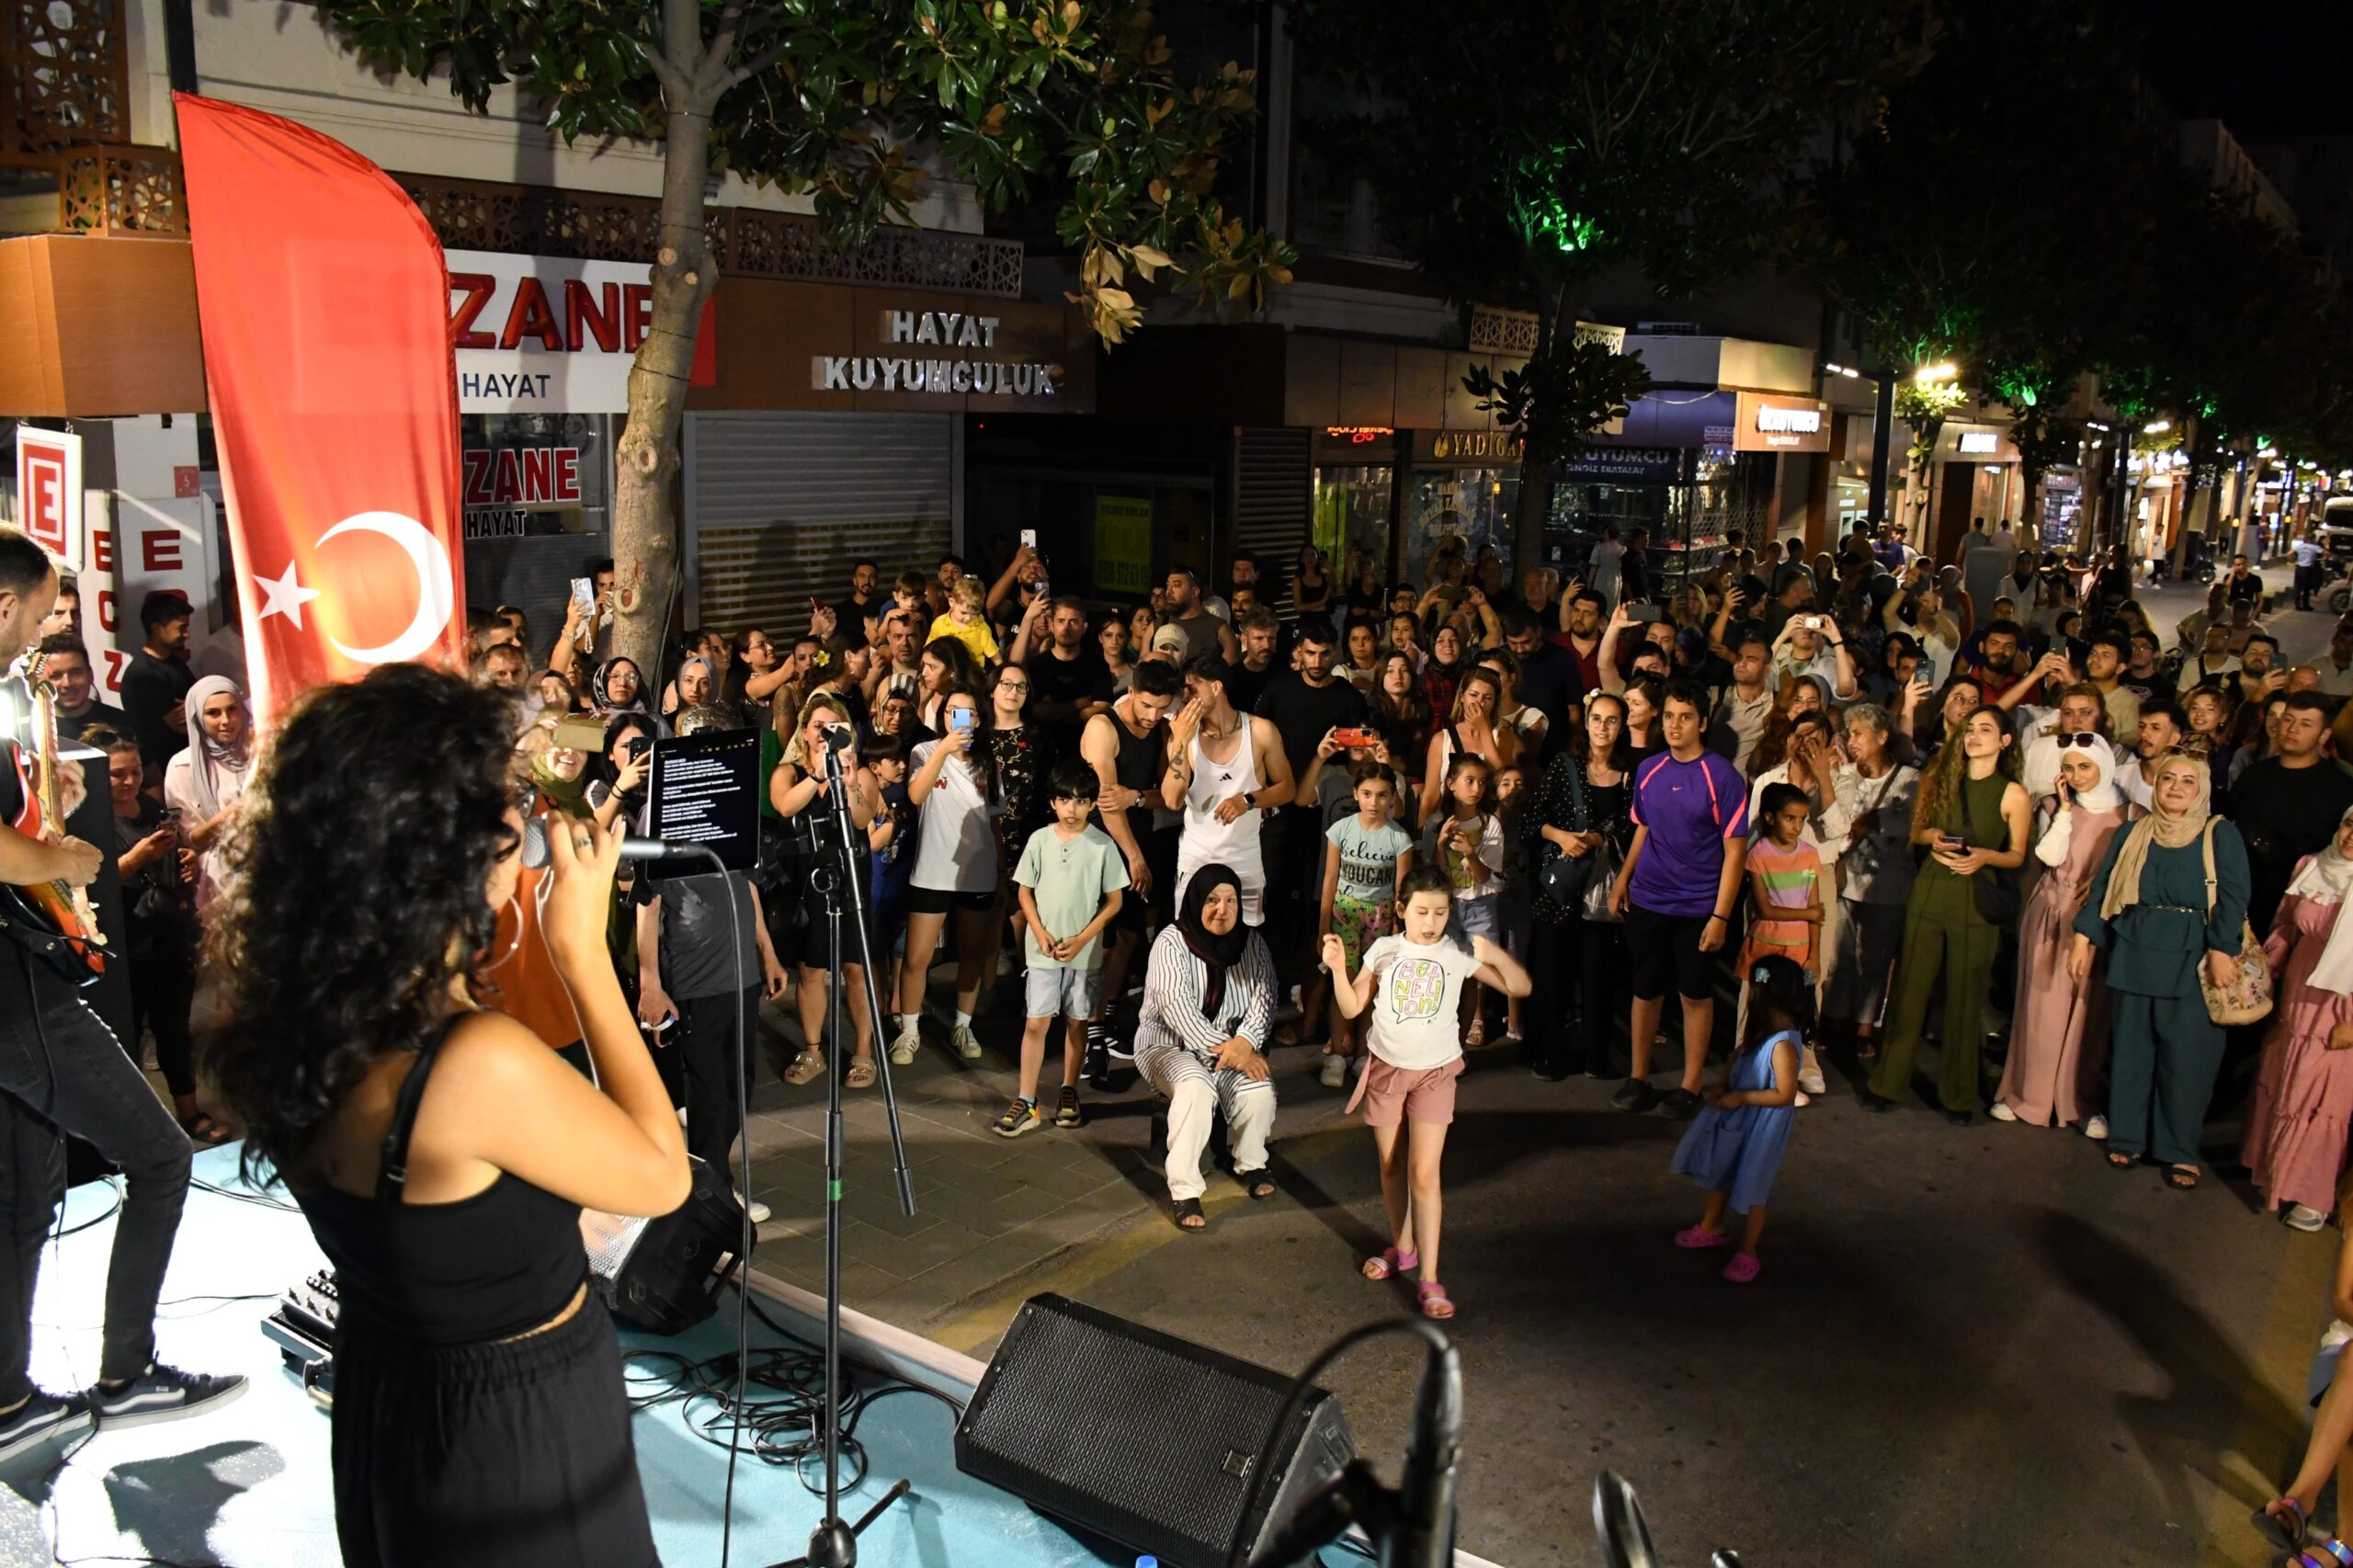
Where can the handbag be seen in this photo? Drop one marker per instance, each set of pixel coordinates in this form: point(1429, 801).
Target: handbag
point(2248, 997)
point(1562, 878)
point(1607, 861)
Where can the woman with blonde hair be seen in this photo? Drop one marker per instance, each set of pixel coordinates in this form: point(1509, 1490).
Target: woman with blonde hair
point(799, 790)
point(1477, 726)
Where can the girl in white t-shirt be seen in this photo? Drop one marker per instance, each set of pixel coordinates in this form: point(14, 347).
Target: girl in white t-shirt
point(956, 867)
point(1413, 982)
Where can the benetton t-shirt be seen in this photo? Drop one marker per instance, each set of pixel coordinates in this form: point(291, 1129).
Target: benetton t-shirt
point(1691, 809)
point(1416, 1000)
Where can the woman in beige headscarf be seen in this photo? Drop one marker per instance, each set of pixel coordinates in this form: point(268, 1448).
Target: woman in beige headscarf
point(2161, 916)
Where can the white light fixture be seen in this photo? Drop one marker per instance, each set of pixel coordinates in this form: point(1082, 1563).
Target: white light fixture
point(1939, 372)
point(2156, 427)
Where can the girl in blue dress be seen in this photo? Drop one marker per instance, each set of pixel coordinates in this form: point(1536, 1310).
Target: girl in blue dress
point(1734, 1146)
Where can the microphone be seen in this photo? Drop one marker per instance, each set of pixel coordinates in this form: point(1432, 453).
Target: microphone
point(535, 845)
point(1423, 1534)
point(839, 737)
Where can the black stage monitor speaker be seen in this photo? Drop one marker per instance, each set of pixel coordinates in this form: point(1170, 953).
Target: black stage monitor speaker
point(1138, 1437)
point(665, 1273)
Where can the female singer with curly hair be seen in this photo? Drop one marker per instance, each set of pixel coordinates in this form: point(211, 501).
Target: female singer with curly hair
point(442, 1153)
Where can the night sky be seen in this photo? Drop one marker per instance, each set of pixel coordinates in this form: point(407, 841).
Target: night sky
point(2265, 67)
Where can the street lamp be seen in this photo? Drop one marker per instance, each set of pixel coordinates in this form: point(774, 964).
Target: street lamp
point(2156, 427)
point(1928, 375)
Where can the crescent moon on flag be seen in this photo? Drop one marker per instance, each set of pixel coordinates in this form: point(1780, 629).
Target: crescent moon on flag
point(435, 595)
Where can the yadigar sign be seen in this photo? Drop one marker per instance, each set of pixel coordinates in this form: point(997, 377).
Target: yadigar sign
point(942, 351)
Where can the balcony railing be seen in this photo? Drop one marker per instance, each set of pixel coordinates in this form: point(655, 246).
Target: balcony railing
point(64, 77)
point(137, 190)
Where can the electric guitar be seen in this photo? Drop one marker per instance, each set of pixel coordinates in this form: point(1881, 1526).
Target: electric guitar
point(51, 920)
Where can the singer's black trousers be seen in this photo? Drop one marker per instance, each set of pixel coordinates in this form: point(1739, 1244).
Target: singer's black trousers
point(486, 1456)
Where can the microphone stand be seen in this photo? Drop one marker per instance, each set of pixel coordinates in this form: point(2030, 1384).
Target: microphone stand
point(834, 1544)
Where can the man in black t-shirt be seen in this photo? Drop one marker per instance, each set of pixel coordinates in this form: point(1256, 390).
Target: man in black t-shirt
point(2288, 805)
point(155, 683)
point(1259, 634)
point(66, 664)
point(1303, 705)
point(62, 1071)
point(689, 961)
point(1069, 682)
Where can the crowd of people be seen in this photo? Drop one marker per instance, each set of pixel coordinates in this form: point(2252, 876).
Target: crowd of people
point(1835, 810)
point(1988, 807)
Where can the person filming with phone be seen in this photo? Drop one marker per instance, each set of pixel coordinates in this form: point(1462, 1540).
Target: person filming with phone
point(1810, 644)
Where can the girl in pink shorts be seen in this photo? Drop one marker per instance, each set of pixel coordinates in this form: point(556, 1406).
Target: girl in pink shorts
point(1412, 985)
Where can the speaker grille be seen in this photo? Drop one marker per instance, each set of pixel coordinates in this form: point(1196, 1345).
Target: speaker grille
point(1140, 1436)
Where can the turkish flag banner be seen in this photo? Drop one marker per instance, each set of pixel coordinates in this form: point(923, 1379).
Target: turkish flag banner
point(324, 302)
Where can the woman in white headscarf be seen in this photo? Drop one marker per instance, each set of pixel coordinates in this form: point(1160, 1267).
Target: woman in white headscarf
point(2299, 1113)
point(2059, 1031)
point(205, 782)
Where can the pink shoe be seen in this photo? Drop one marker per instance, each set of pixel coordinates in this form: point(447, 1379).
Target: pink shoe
point(1390, 1262)
point(1743, 1267)
point(1698, 1238)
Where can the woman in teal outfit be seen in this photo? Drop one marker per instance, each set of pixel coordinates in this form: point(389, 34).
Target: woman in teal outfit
point(2157, 910)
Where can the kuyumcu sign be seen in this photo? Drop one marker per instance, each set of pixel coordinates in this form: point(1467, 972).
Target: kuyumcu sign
point(1767, 423)
point(944, 351)
point(542, 335)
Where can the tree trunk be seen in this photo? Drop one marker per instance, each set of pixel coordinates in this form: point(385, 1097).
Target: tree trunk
point(648, 458)
point(1535, 467)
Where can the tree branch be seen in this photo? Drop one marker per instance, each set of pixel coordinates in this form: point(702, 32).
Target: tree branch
point(757, 64)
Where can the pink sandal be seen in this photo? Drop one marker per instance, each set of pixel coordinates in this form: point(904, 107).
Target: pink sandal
point(1698, 1238)
point(1431, 1297)
point(1743, 1267)
point(1390, 1262)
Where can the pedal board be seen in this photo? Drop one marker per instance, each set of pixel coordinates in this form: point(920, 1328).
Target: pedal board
point(304, 1330)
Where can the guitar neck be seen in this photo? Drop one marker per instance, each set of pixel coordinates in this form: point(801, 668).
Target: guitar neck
point(46, 783)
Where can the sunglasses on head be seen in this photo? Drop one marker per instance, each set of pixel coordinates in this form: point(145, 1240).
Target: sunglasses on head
point(2084, 739)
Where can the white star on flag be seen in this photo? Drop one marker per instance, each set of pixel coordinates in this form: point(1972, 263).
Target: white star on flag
point(286, 597)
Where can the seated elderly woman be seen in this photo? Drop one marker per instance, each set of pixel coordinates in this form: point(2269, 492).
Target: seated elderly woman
point(1208, 1000)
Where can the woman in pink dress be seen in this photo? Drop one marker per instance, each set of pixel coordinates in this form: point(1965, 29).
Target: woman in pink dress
point(2058, 1033)
point(2298, 1116)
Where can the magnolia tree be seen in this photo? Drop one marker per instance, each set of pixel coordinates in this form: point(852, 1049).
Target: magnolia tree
point(856, 104)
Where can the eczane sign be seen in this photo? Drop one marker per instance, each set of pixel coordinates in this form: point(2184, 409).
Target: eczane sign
point(543, 335)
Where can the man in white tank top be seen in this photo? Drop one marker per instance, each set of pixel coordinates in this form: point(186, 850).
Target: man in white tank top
point(1225, 771)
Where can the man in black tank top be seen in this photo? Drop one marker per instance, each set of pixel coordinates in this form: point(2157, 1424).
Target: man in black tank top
point(63, 1069)
point(1129, 750)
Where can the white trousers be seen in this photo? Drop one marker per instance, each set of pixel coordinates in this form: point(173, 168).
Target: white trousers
point(1197, 1097)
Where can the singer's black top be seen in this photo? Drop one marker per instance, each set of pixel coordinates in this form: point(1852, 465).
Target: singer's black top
point(482, 1268)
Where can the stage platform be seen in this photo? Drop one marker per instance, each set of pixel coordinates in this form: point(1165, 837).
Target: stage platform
point(248, 1487)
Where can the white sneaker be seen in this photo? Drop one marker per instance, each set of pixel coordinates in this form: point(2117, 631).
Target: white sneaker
point(2299, 1217)
point(1335, 1072)
point(2097, 1129)
point(2001, 1112)
point(903, 1049)
point(967, 1044)
point(755, 1207)
point(1813, 1082)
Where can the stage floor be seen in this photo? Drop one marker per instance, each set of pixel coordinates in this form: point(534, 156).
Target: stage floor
point(248, 1487)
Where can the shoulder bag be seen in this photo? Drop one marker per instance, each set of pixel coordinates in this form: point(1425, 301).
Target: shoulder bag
point(2248, 997)
point(1563, 877)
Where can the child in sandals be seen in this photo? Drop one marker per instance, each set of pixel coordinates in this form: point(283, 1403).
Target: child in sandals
point(1413, 983)
point(1736, 1144)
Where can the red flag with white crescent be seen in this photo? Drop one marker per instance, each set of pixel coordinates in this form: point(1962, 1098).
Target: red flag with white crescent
point(324, 302)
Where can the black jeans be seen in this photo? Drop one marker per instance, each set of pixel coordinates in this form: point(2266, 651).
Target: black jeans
point(163, 990)
point(1294, 885)
point(1556, 1041)
point(705, 1038)
point(60, 1068)
point(1608, 1000)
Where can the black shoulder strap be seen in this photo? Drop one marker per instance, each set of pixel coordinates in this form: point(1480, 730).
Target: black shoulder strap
point(391, 1163)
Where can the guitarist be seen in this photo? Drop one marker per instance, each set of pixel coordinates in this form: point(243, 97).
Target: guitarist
point(61, 1070)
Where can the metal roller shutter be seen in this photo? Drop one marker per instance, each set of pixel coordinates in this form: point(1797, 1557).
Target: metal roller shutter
point(1274, 496)
point(781, 505)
